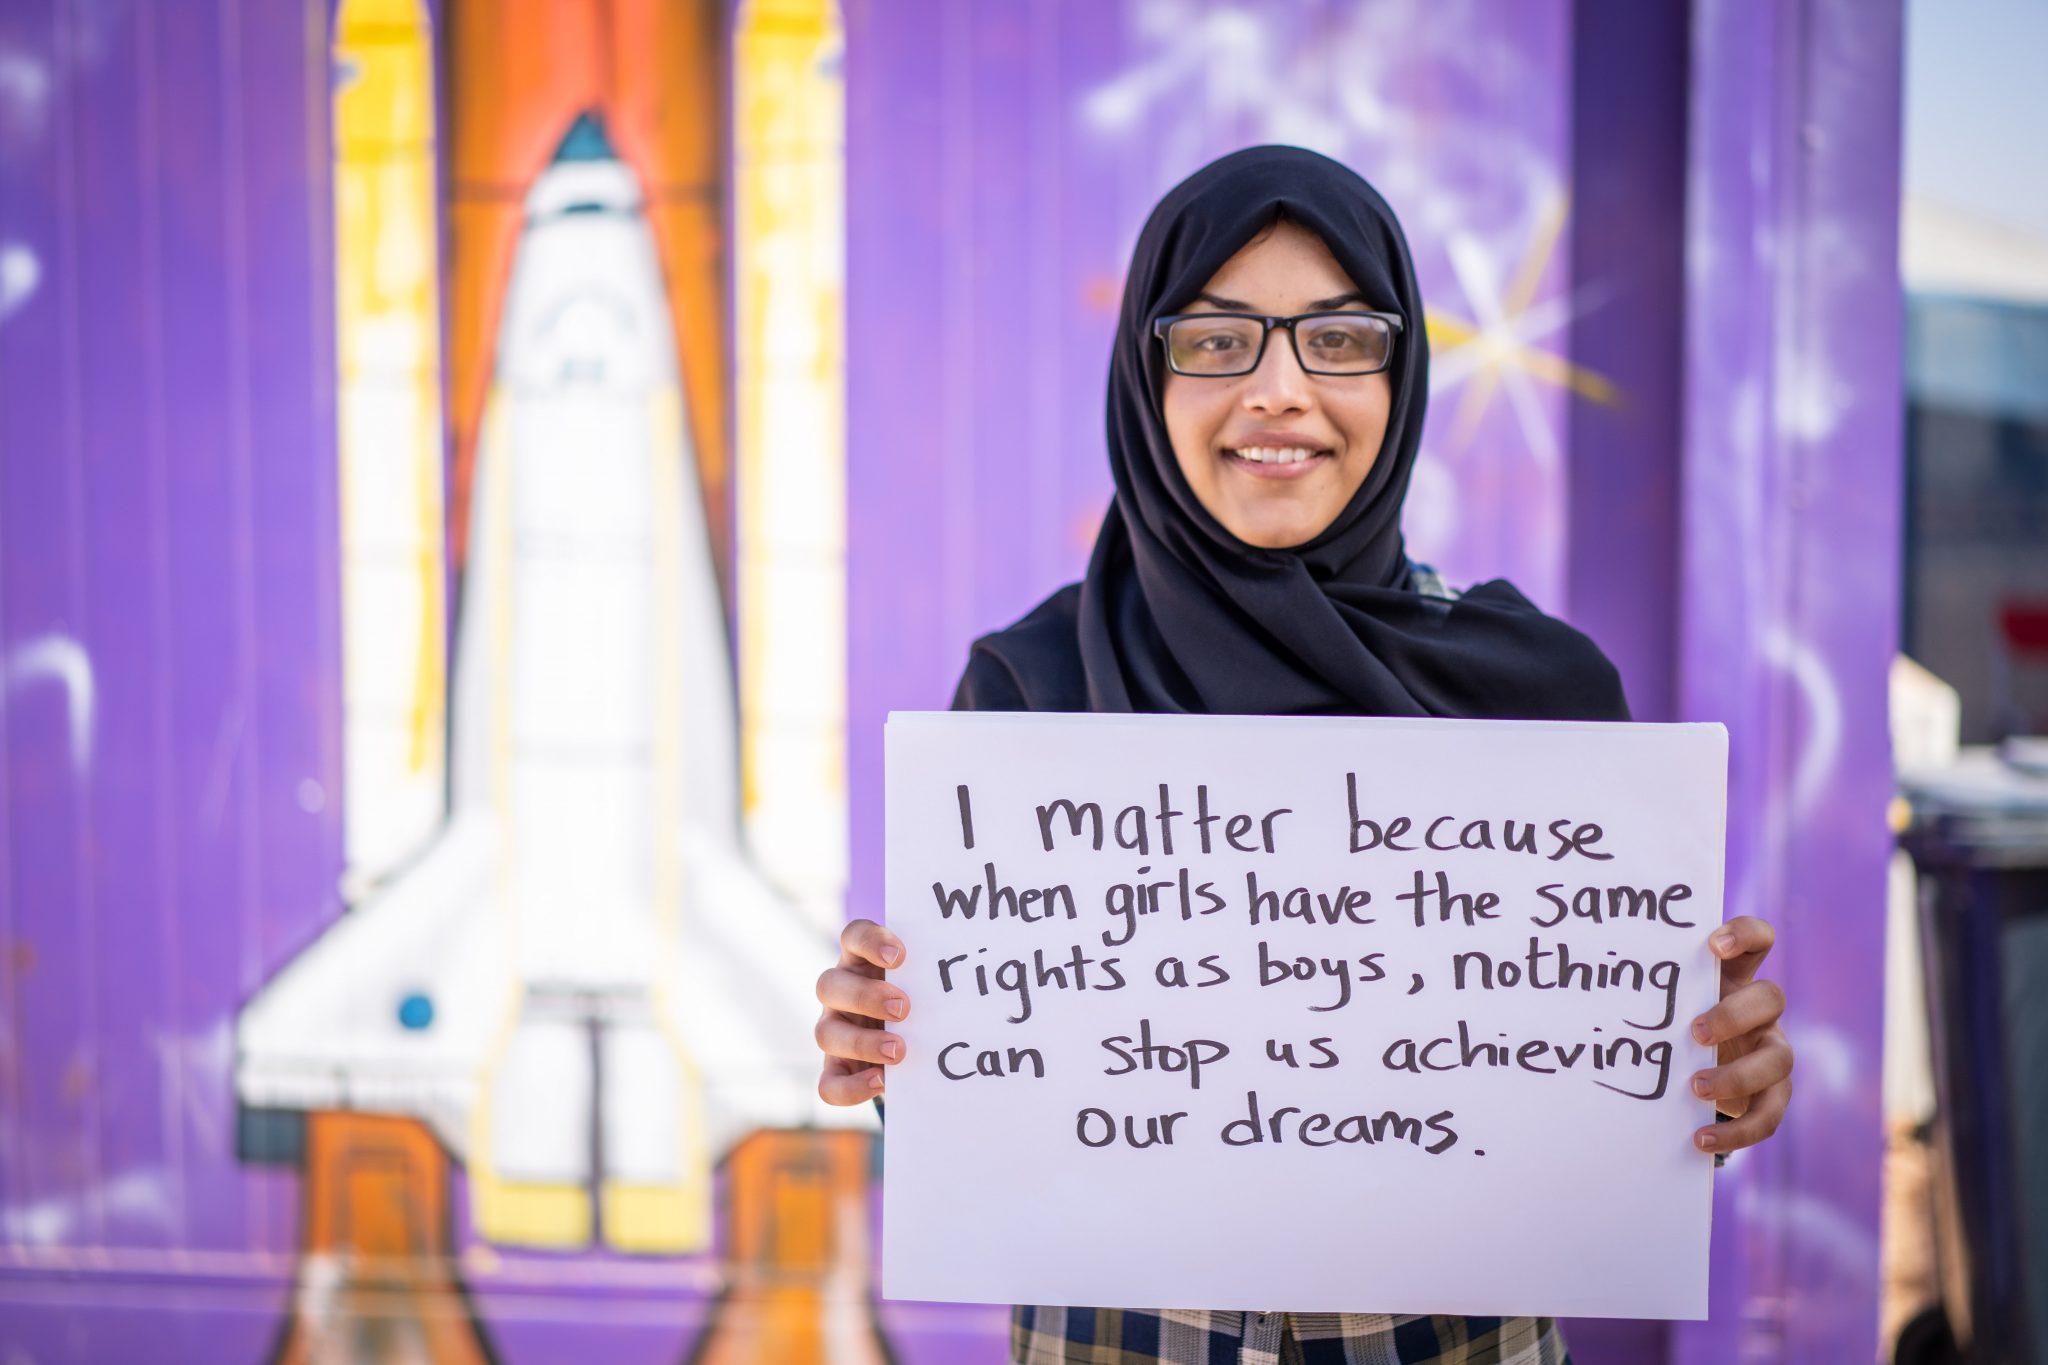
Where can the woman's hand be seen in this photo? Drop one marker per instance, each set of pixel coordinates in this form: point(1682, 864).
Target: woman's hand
point(1753, 1079)
point(858, 1002)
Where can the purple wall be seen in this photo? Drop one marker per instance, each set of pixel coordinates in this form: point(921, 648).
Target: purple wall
point(1723, 287)
point(1789, 612)
point(169, 711)
point(169, 767)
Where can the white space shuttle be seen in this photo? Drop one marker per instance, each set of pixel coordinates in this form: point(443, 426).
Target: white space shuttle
point(581, 983)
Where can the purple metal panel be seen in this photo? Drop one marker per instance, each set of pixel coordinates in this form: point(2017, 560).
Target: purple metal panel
point(171, 1318)
point(1790, 574)
point(894, 590)
point(209, 707)
point(217, 263)
point(1628, 267)
point(140, 1181)
point(289, 433)
point(1628, 90)
point(285, 329)
point(169, 742)
point(54, 1176)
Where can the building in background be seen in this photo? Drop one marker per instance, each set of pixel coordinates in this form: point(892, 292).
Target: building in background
point(1974, 257)
point(1976, 603)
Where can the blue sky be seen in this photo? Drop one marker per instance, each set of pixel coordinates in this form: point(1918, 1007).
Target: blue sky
point(1977, 108)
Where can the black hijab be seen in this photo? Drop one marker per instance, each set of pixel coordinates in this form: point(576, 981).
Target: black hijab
point(1178, 614)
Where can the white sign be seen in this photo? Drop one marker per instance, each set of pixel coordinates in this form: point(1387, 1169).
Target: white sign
point(1310, 1015)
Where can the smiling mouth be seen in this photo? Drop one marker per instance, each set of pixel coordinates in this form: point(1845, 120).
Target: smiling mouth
point(1275, 457)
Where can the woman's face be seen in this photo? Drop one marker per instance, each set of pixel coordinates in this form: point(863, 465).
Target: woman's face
point(1339, 419)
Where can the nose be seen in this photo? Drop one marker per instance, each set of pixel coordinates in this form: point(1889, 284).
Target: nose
point(1279, 384)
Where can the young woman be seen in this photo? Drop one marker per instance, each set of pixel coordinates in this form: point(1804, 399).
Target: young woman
point(1266, 396)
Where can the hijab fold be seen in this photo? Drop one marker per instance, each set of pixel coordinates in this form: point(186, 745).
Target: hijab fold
point(1176, 614)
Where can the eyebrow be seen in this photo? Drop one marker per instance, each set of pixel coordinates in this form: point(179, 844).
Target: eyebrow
point(1319, 306)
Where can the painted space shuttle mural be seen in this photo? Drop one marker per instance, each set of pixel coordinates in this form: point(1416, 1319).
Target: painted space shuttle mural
point(582, 984)
point(587, 888)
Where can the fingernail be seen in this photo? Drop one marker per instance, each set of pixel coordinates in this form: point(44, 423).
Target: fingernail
point(875, 1079)
point(1723, 941)
point(895, 1009)
point(1706, 1141)
point(1701, 1032)
point(893, 1050)
point(890, 955)
point(1703, 1087)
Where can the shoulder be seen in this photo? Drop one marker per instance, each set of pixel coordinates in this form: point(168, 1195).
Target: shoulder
point(1031, 665)
point(1564, 675)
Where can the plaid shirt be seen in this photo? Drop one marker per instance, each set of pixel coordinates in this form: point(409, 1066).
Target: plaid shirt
point(1426, 580)
point(1113, 1336)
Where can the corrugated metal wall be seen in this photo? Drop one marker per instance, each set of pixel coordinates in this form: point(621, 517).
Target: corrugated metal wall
point(170, 827)
point(170, 808)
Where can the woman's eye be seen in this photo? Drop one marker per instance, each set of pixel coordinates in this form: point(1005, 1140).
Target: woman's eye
point(1218, 341)
point(1333, 339)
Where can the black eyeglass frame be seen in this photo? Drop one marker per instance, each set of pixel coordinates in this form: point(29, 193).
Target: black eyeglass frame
point(1394, 322)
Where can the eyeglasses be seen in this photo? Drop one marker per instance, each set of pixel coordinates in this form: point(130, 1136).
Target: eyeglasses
point(1221, 345)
